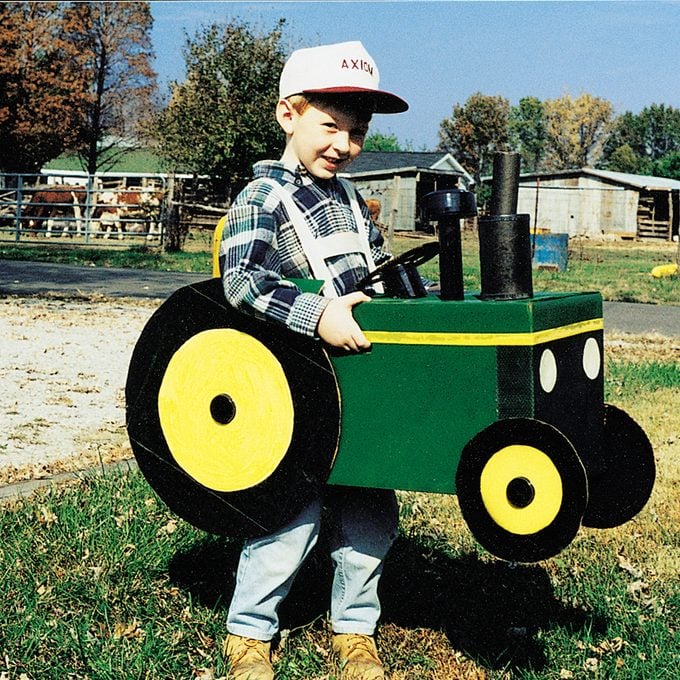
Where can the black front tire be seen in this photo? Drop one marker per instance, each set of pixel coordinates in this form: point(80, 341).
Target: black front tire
point(191, 315)
point(626, 472)
point(522, 489)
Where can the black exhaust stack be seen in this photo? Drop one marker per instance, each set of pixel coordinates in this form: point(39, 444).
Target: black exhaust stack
point(447, 207)
point(504, 241)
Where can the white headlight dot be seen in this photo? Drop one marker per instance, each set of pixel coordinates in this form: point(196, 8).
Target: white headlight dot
point(547, 370)
point(592, 360)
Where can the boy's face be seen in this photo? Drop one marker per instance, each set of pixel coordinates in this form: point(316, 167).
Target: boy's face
point(324, 138)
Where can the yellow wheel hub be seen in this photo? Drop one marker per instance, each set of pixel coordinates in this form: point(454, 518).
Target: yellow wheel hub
point(521, 489)
point(226, 409)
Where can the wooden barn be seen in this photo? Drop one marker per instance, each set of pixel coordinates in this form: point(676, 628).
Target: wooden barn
point(601, 203)
point(394, 182)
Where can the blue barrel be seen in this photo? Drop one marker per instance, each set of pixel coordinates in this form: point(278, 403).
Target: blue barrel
point(551, 251)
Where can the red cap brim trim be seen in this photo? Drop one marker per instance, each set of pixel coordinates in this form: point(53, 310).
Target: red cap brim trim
point(385, 102)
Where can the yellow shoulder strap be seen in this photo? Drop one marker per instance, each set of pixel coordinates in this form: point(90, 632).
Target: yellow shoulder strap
point(217, 238)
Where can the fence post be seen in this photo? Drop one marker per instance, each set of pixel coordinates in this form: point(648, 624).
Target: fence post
point(88, 207)
point(20, 202)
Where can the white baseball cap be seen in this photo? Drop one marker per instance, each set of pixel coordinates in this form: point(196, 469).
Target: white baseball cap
point(337, 69)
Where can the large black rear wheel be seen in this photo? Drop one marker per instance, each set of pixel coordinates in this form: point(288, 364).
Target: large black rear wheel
point(234, 422)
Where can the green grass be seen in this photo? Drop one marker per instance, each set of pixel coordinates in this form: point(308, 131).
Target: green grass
point(137, 257)
point(98, 580)
point(619, 270)
point(626, 380)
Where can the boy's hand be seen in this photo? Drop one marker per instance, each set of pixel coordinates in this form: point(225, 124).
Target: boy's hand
point(337, 326)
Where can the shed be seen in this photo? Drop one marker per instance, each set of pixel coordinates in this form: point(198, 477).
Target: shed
point(399, 179)
point(601, 203)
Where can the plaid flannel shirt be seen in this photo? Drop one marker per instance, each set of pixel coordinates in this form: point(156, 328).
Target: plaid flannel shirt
point(260, 249)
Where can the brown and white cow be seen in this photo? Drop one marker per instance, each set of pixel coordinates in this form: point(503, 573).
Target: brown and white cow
point(55, 201)
point(135, 211)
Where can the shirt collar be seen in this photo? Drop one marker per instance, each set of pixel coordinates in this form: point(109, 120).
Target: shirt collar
point(284, 172)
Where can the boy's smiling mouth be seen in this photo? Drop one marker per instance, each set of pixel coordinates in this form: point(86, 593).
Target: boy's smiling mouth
point(335, 162)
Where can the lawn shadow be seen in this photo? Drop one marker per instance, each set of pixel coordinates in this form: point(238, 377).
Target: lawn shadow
point(491, 610)
point(207, 570)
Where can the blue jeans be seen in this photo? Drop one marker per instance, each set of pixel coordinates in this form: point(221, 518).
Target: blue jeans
point(365, 526)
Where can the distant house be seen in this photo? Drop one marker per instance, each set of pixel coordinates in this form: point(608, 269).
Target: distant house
point(398, 180)
point(601, 203)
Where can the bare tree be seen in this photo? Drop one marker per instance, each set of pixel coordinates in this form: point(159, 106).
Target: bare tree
point(114, 41)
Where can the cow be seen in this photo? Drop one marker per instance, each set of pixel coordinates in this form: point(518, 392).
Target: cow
point(134, 211)
point(55, 201)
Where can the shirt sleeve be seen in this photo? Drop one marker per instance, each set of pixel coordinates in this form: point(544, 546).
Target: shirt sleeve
point(251, 272)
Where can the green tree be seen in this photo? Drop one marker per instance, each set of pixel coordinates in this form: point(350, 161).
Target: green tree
point(475, 131)
point(650, 135)
point(220, 120)
point(376, 141)
point(668, 166)
point(624, 149)
point(577, 130)
point(660, 126)
point(624, 159)
point(527, 128)
point(43, 89)
point(114, 41)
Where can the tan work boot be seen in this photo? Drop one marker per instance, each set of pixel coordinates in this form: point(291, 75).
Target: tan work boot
point(358, 657)
point(248, 659)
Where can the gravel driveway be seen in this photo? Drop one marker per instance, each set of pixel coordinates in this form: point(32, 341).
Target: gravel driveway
point(63, 368)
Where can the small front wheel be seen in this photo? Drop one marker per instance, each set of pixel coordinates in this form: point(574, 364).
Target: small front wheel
point(522, 489)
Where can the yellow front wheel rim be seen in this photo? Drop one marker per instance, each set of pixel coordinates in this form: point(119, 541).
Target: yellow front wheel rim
point(528, 466)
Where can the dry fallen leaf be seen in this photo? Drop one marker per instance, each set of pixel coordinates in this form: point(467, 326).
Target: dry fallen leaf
point(130, 631)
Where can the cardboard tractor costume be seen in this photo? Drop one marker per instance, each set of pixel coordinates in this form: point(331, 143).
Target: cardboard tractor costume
point(494, 396)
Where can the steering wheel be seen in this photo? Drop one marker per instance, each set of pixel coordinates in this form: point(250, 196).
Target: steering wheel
point(411, 259)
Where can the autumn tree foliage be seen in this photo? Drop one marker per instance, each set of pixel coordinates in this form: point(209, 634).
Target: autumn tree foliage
point(475, 131)
point(43, 88)
point(71, 75)
point(220, 120)
point(577, 129)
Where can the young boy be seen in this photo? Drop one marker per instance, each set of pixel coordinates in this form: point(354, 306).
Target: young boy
point(296, 219)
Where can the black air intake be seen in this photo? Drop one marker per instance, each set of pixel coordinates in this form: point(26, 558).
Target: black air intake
point(504, 242)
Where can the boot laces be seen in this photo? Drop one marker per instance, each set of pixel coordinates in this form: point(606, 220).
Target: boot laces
point(361, 646)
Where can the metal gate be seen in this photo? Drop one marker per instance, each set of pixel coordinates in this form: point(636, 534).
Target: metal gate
point(81, 209)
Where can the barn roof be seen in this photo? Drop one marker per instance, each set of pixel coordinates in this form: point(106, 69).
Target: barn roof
point(638, 181)
point(622, 178)
point(398, 162)
point(369, 161)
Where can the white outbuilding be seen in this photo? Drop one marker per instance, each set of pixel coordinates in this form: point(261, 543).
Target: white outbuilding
point(589, 202)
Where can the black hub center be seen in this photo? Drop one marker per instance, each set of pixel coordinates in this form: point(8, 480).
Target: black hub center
point(223, 409)
point(520, 492)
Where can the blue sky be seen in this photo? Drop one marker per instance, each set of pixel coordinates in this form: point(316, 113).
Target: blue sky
point(437, 54)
